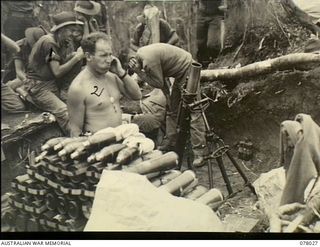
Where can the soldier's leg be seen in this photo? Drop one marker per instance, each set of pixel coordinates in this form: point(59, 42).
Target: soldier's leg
point(202, 35)
point(213, 41)
point(47, 100)
point(198, 138)
point(173, 102)
point(10, 101)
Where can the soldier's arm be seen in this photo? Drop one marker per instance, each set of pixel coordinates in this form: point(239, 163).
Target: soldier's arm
point(134, 47)
point(10, 44)
point(152, 75)
point(153, 79)
point(169, 32)
point(135, 39)
point(127, 85)
point(76, 109)
point(60, 70)
point(174, 39)
point(20, 69)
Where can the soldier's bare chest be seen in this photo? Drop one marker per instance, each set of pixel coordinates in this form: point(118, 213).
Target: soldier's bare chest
point(102, 95)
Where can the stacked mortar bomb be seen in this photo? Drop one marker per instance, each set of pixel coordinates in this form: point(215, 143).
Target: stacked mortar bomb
point(57, 192)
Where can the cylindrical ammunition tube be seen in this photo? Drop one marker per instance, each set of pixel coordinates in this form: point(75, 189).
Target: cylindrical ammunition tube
point(80, 153)
point(74, 209)
point(97, 167)
point(52, 201)
point(69, 148)
point(46, 171)
point(179, 183)
point(60, 177)
point(153, 154)
point(51, 143)
point(70, 186)
point(36, 187)
point(91, 158)
point(49, 214)
point(40, 156)
point(78, 166)
point(152, 175)
point(126, 155)
point(27, 199)
point(66, 141)
point(62, 206)
point(164, 179)
point(93, 180)
point(84, 186)
point(196, 193)
point(161, 163)
point(100, 140)
point(58, 191)
point(77, 179)
point(109, 152)
point(38, 203)
point(212, 196)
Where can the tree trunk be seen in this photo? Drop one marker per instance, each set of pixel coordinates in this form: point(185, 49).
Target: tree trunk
point(153, 19)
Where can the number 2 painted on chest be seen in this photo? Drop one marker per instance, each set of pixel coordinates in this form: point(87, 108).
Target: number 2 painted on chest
point(96, 89)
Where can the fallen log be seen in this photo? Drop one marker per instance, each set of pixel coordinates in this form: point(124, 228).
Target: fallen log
point(263, 67)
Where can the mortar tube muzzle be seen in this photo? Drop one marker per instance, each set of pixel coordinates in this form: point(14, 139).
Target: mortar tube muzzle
point(194, 78)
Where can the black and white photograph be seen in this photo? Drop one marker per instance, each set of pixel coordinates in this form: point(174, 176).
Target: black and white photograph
point(162, 119)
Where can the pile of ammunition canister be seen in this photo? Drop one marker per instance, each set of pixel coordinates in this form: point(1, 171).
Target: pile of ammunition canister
point(58, 190)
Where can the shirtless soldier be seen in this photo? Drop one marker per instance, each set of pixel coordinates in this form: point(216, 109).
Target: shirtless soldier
point(93, 97)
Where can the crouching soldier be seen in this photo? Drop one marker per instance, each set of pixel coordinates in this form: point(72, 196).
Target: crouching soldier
point(153, 64)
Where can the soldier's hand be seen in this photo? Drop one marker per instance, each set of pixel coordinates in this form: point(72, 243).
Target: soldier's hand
point(80, 53)
point(134, 65)
point(116, 66)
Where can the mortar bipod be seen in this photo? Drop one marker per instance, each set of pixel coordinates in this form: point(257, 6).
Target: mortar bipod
point(214, 142)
